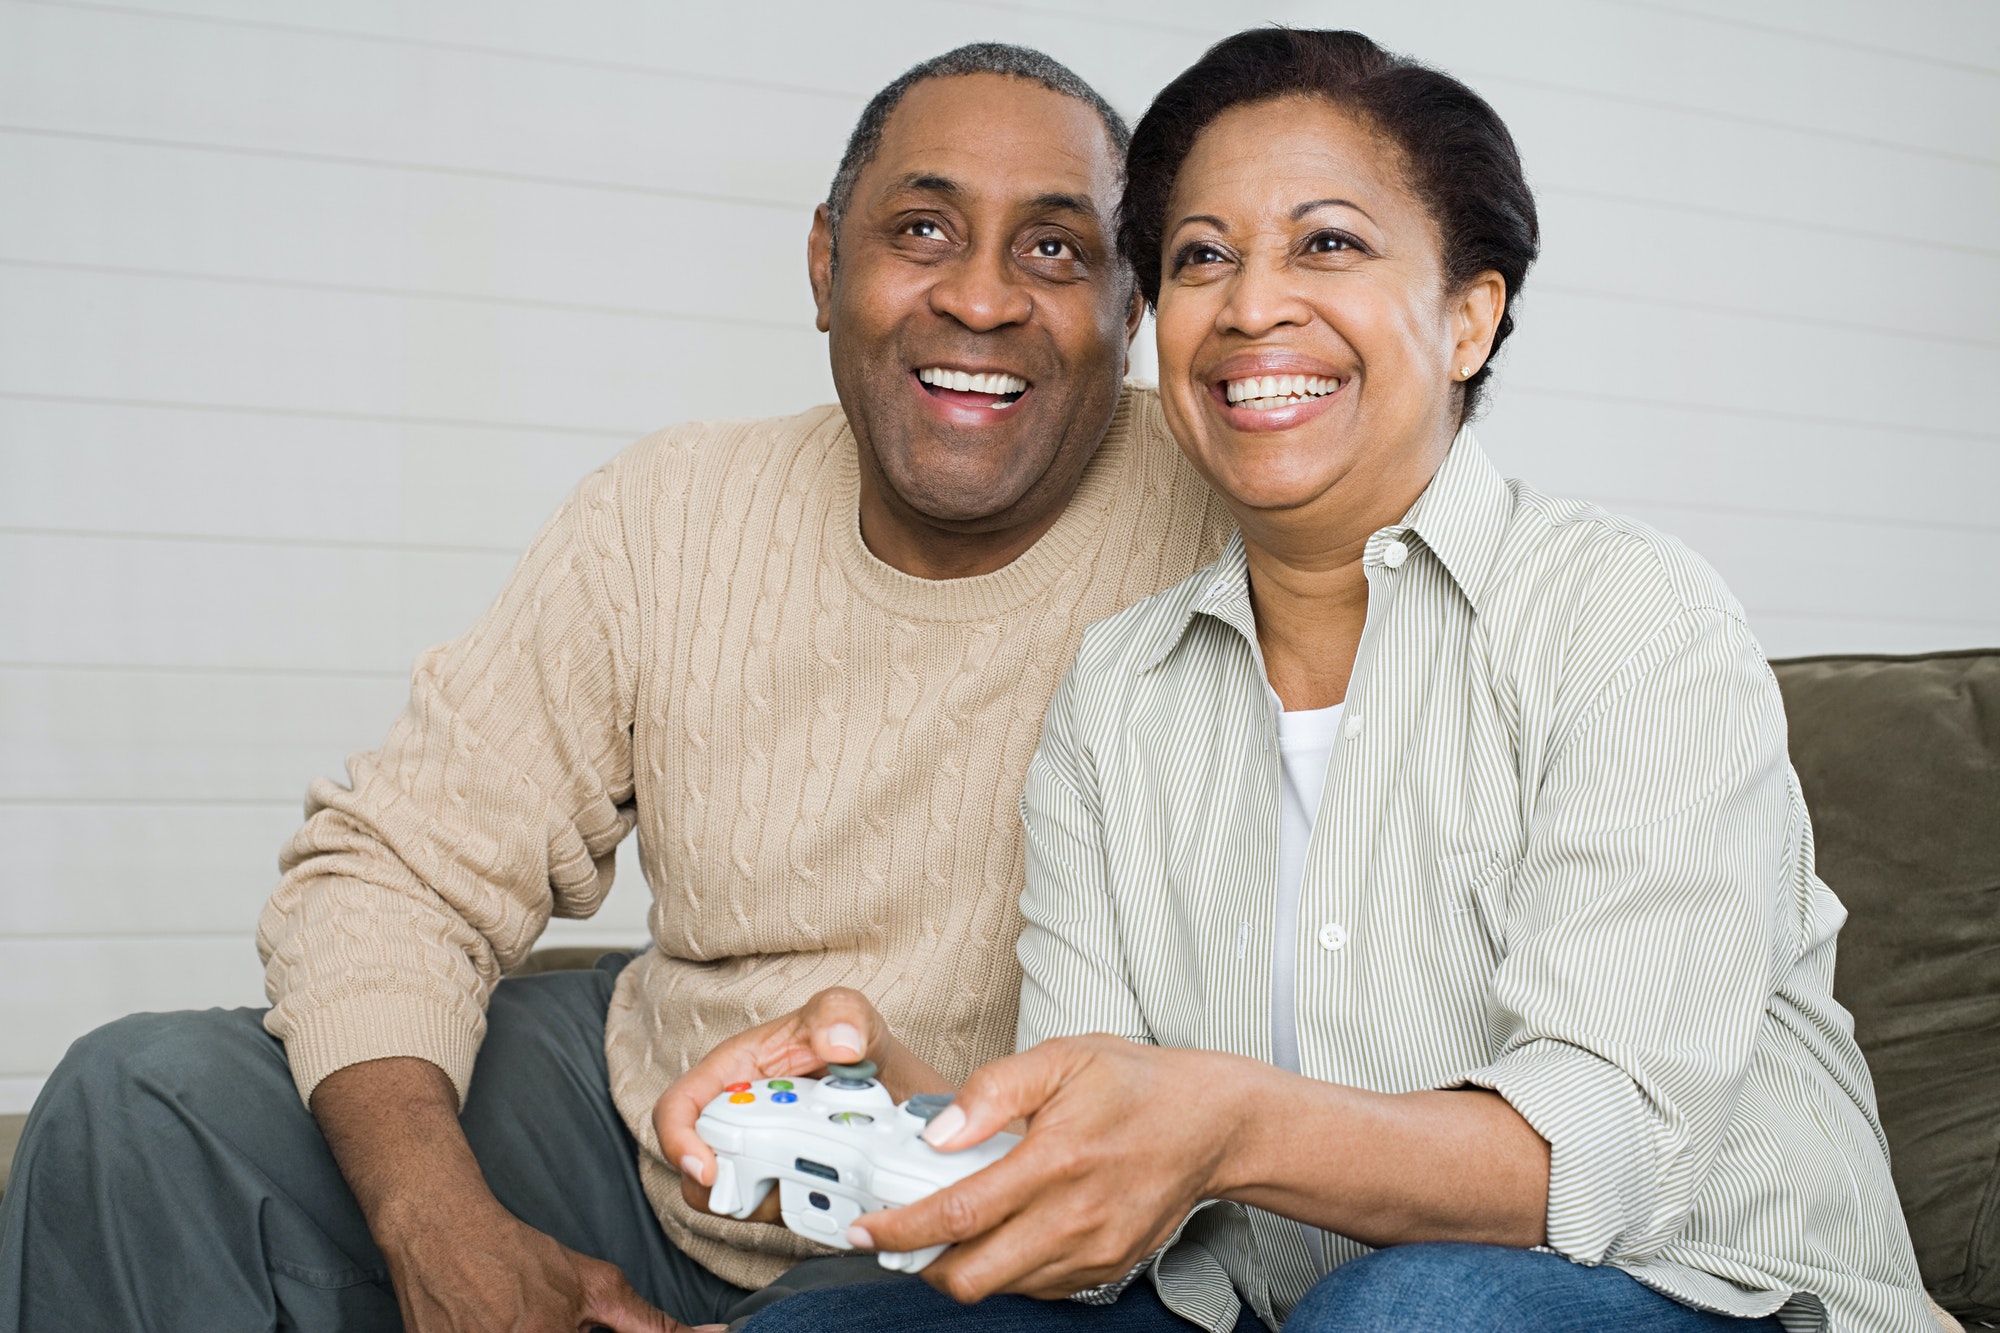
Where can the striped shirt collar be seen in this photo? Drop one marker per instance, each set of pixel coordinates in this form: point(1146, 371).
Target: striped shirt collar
point(1461, 518)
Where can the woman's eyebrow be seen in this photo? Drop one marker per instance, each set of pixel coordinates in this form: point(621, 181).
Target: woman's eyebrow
point(1209, 218)
point(1312, 204)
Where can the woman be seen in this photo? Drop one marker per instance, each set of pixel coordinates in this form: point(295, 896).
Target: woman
point(1432, 861)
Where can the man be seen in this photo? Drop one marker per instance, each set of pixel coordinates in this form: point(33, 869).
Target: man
point(806, 658)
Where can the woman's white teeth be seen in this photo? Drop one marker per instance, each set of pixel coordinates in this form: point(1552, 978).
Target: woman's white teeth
point(1262, 392)
point(995, 383)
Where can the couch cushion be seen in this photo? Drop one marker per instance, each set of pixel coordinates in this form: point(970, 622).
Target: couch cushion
point(1900, 761)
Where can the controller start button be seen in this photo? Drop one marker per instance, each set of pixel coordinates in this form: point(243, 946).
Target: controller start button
point(739, 1098)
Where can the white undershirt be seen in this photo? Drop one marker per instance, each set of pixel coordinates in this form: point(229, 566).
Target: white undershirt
point(1305, 743)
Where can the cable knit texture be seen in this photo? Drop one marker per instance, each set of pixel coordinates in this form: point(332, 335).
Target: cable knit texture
point(823, 757)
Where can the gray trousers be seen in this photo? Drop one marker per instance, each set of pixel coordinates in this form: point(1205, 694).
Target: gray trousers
point(170, 1178)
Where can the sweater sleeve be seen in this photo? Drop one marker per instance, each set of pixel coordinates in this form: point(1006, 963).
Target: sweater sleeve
point(498, 800)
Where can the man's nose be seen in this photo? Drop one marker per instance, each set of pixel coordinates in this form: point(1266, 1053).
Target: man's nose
point(983, 291)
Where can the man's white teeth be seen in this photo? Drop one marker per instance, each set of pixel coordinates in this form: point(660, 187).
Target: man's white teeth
point(1263, 392)
point(995, 383)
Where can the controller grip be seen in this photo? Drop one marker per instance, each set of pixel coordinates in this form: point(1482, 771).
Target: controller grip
point(729, 1196)
point(909, 1261)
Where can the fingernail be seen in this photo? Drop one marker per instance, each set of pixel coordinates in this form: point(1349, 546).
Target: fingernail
point(691, 1165)
point(945, 1127)
point(858, 1237)
point(846, 1034)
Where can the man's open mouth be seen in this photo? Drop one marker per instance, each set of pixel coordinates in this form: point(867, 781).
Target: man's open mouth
point(991, 389)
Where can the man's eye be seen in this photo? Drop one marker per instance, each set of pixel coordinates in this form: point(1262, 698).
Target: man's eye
point(925, 228)
point(1050, 247)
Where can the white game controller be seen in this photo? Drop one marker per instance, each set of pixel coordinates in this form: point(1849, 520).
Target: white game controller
point(837, 1147)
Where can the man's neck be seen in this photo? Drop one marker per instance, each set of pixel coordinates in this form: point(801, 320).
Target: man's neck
point(921, 548)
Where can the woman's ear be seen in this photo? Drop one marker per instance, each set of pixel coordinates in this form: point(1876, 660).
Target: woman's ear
point(1480, 304)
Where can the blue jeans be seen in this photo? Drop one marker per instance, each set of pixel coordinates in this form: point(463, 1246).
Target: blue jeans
point(1459, 1287)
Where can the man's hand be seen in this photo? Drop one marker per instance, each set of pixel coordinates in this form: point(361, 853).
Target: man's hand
point(1121, 1144)
point(461, 1263)
point(837, 1026)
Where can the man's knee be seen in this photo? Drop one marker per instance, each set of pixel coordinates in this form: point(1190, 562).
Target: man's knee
point(1434, 1285)
point(108, 1081)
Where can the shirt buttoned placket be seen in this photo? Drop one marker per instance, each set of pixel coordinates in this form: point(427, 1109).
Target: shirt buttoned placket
point(1321, 931)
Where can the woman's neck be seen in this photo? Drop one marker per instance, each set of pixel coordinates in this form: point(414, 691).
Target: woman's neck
point(1308, 588)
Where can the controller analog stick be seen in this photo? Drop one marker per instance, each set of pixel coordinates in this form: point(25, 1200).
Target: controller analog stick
point(857, 1075)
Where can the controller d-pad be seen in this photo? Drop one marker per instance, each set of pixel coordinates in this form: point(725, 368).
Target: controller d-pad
point(927, 1106)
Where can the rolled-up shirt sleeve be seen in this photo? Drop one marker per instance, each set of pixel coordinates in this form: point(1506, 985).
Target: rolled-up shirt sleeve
point(1073, 973)
point(498, 800)
point(1643, 928)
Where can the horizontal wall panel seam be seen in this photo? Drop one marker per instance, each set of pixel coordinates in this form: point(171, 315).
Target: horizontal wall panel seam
point(424, 168)
point(209, 669)
point(327, 414)
point(249, 539)
point(421, 294)
point(1799, 34)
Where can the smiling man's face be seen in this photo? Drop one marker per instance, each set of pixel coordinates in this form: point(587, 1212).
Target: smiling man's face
point(978, 312)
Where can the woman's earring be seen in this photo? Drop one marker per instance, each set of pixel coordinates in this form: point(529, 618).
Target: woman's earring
point(1465, 372)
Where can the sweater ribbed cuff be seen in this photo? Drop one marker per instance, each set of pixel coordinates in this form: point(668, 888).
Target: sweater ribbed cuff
point(379, 1024)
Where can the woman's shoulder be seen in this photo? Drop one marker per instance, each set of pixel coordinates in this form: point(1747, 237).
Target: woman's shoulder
point(1567, 548)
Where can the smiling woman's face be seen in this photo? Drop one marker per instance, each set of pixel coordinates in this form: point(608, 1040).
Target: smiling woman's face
point(1295, 253)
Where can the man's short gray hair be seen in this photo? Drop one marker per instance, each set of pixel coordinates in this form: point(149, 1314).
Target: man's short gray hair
point(1019, 62)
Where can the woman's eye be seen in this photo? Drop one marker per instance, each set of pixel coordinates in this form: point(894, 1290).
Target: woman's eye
point(1327, 242)
point(1201, 254)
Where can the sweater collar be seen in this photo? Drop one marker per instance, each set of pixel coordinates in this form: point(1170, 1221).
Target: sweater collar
point(1057, 555)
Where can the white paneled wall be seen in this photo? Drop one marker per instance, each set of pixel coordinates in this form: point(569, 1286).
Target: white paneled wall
point(310, 312)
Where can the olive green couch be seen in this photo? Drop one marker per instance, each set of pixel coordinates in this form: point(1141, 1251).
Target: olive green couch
point(1900, 761)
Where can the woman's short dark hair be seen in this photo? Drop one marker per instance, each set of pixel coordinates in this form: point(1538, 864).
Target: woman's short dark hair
point(1457, 153)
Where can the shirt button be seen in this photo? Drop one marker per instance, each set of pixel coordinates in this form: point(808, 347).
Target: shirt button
point(1332, 936)
point(1394, 554)
point(1352, 726)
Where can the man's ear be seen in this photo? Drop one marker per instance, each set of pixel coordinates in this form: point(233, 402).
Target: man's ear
point(819, 266)
point(1135, 315)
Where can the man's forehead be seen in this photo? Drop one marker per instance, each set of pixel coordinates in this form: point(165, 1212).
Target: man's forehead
point(986, 137)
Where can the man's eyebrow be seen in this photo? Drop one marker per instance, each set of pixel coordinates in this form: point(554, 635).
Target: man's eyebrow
point(1312, 204)
point(1058, 202)
point(929, 184)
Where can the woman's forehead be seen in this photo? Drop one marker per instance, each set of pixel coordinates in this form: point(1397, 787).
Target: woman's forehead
point(1275, 156)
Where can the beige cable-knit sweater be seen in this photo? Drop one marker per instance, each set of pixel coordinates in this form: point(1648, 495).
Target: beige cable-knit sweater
point(823, 757)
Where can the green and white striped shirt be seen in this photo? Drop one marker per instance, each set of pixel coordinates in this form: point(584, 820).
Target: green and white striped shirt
point(1561, 854)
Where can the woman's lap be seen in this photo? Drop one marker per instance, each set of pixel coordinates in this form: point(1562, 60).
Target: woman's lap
point(1466, 1288)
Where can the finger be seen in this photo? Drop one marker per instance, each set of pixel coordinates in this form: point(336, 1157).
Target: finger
point(610, 1301)
point(842, 1026)
point(997, 1094)
point(956, 1213)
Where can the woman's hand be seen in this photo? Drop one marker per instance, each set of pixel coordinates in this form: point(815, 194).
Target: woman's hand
point(1123, 1140)
point(837, 1026)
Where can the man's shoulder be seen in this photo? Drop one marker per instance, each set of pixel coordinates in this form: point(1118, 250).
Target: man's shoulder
point(721, 446)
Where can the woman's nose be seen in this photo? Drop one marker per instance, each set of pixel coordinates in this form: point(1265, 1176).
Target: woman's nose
point(1263, 296)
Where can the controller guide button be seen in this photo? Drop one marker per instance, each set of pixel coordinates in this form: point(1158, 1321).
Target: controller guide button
point(820, 1201)
point(779, 1085)
point(784, 1097)
point(739, 1098)
point(737, 1087)
point(851, 1118)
